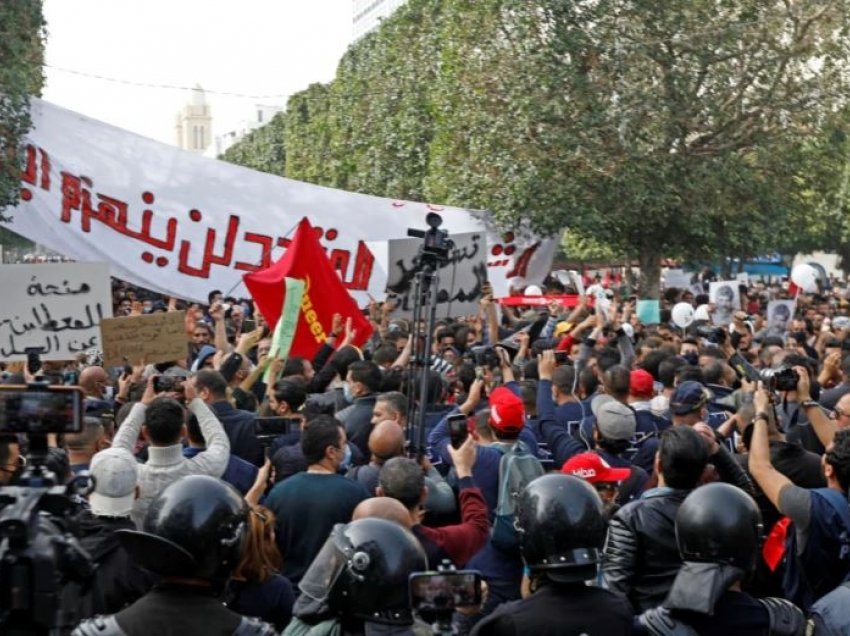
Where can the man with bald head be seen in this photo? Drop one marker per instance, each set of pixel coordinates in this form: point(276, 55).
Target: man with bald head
point(382, 508)
point(93, 382)
point(97, 389)
point(385, 442)
point(402, 479)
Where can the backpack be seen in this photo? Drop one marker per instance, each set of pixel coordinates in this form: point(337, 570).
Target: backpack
point(517, 468)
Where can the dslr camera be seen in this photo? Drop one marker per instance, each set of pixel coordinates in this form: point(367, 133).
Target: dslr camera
point(781, 379)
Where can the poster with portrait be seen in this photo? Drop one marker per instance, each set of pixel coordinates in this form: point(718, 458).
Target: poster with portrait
point(779, 316)
point(725, 297)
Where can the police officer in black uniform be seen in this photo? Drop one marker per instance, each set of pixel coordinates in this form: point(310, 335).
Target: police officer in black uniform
point(192, 538)
point(359, 581)
point(718, 531)
point(561, 529)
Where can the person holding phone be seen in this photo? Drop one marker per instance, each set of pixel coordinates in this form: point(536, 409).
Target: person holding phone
point(402, 479)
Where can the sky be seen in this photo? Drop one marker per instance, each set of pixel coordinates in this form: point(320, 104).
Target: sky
point(252, 47)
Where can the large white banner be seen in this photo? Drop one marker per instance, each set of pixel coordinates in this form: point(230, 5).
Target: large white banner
point(461, 277)
point(57, 308)
point(184, 225)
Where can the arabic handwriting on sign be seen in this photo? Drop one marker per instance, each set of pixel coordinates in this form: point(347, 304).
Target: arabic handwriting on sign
point(71, 323)
point(36, 288)
point(51, 344)
point(404, 285)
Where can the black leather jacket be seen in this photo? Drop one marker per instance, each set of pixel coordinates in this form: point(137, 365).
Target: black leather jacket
point(641, 555)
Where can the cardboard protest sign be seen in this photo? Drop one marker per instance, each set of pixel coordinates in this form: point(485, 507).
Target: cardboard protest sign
point(461, 278)
point(55, 307)
point(649, 311)
point(159, 337)
point(678, 278)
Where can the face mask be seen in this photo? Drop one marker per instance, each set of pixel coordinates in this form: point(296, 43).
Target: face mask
point(346, 390)
point(346, 458)
point(692, 358)
point(108, 392)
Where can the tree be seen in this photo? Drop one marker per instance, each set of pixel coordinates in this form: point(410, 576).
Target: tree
point(262, 149)
point(662, 128)
point(688, 129)
point(21, 59)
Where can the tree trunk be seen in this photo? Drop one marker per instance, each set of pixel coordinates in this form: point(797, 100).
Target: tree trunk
point(650, 274)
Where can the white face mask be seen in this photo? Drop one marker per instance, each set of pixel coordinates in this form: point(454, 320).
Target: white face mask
point(108, 392)
point(346, 390)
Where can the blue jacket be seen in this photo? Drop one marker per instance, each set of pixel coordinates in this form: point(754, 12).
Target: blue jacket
point(825, 561)
point(556, 433)
point(491, 562)
point(239, 426)
point(239, 473)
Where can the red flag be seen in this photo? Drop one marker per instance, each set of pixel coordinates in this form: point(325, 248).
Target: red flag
point(774, 546)
point(324, 293)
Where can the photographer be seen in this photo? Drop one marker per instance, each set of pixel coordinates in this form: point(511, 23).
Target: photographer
point(239, 473)
point(816, 551)
point(161, 420)
point(402, 479)
point(211, 387)
point(794, 416)
point(117, 581)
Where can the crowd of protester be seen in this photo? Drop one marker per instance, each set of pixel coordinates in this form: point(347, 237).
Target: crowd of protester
point(609, 477)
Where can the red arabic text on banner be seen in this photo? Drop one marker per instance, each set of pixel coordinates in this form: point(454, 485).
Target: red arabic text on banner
point(324, 293)
point(566, 300)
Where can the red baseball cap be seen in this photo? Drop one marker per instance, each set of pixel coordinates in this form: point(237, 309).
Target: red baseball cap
point(641, 384)
point(593, 469)
point(507, 412)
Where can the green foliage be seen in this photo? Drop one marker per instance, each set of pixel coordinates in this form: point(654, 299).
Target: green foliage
point(21, 59)
point(694, 129)
point(262, 149)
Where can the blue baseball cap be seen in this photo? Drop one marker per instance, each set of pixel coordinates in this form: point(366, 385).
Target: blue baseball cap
point(688, 397)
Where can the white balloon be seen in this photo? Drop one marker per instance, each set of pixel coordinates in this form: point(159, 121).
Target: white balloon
point(805, 277)
point(702, 313)
point(683, 315)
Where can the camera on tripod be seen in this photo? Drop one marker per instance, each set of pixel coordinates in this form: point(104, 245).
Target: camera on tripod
point(436, 242)
point(43, 568)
